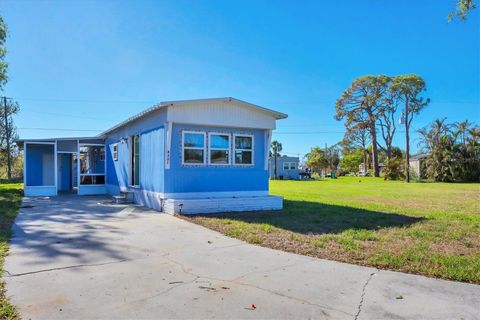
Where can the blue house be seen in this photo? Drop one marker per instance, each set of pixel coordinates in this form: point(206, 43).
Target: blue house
point(193, 156)
point(287, 168)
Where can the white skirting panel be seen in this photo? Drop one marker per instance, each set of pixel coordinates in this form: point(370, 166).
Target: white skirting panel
point(149, 199)
point(212, 205)
point(40, 191)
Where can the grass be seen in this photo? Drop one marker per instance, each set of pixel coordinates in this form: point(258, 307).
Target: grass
point(424, 228)
point(10, 199)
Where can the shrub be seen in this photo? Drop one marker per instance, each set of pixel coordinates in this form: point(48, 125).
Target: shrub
point(394, 169)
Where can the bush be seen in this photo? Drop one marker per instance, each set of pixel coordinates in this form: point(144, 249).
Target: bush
point(394, 169)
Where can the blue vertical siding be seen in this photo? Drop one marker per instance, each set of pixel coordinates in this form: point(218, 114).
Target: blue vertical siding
point(216, 178)
point(152, 162)
point(40, 165)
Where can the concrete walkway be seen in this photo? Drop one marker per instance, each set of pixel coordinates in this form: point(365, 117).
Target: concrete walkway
point(79, 258)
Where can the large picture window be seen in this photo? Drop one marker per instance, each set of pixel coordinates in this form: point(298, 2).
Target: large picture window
point(193, 147)
point(219, 148)
point(243, 149)
point(135, 160)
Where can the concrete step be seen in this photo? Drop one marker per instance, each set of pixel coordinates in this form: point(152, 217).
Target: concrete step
point(121, 199)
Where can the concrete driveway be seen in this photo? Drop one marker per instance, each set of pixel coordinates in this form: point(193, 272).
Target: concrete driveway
point(78, 257)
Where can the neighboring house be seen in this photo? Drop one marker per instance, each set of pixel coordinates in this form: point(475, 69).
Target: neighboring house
point(194, 156)
point(416, 164)
point(287, 167)
point(362, 172)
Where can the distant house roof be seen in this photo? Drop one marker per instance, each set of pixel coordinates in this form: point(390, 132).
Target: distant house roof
point(419, 156)
point(275, 114)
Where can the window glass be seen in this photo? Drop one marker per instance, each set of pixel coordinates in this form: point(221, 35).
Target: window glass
point(243, 157)
point(219, 148)
point(97, 179)
point(243, 149)
point(91, 160)
point(195, 140)
point(286, 166)
point(219, 141)
point(219, 156)
point(242, 142)
point(136, 160)
point(293, 166)
point(115, 152)
point(194, 148)
point(194, 156)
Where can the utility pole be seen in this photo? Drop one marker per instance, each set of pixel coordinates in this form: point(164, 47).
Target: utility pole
point(7, 136)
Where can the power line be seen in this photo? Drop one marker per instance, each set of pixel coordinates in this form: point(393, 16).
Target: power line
point(58, 129)
point(65, 115)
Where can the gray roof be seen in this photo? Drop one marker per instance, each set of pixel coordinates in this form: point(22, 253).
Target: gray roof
point(419, 156)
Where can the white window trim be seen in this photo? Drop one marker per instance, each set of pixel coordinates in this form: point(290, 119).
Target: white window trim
point(235, 149)
point(295, 166)
point(115, 152)
point(194, 148)
point(286, 164)
point(228, 149)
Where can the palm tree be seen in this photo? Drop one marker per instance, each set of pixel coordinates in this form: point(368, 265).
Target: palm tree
point(276, 148)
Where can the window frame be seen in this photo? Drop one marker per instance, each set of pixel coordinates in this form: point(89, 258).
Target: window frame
point(115, 152)
point(194, 148)
point(234, 149)
point(287, 165)
point(132, 156)
point(228, 149)
point(80, 174)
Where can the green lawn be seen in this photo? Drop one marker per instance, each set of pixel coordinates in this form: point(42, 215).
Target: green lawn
point(424, 228)
point(10, 199)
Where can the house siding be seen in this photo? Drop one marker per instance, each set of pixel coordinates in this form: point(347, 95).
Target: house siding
point(216, 178)
point(152, 152)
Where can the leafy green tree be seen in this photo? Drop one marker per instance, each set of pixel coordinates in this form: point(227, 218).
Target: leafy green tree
point(356, 139)
point(3, 52)
point(8, 132)
point(393, 169)
point(453, 151)
point(462, 8)
point(350, 162)
point(360, 106)
point(408, 88)
point(317, 159)
point(275, 149)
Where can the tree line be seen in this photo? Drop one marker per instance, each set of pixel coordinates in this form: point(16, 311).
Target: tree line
point(369, 108)
point(10, 158)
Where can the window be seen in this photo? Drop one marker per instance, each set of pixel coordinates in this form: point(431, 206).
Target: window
point(92, 165)
point(293, 166)
point(115, 152)
point(219, 146)
point(135, 160)
point(243, 149)
point(286, 166)
point(193, 147)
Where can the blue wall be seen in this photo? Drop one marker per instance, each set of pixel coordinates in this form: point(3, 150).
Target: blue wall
point(208, 178)
point(40, 165)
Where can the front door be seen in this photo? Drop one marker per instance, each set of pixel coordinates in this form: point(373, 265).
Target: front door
point(64, 172)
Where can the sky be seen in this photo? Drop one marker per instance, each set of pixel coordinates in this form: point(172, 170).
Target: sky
point(88, 65)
